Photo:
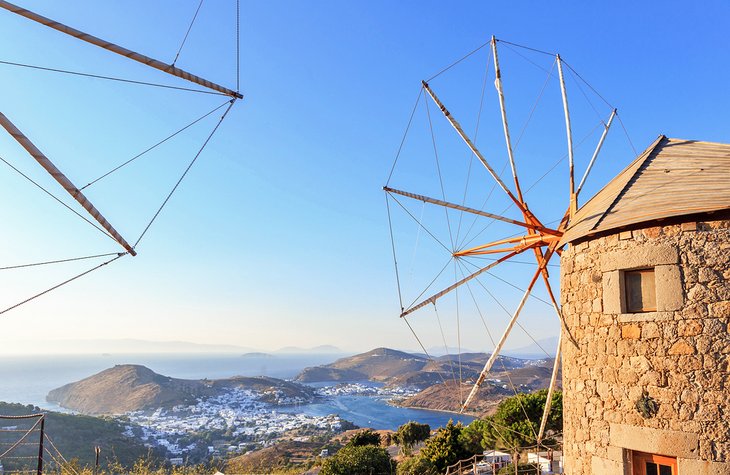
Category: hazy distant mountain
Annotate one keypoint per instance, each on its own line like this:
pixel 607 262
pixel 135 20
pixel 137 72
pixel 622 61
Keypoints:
pixel 322 349
pixel 123 346
pixel 533 351
pixel 125 388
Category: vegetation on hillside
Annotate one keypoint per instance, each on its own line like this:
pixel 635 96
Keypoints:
pixel 511 428
pixel 75 436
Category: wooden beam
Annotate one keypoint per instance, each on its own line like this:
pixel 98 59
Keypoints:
pixel 107 45
pixel 63 181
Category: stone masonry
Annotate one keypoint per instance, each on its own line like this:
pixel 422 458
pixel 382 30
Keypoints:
pixel 677 355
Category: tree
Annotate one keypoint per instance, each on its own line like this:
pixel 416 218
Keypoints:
pixel 411 433
pixel 517 419
pixel 359 460
pixel 417 466
pixel 364 437
pixel 476 436
pixel 444 447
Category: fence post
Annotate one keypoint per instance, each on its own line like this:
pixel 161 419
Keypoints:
pixel 40 447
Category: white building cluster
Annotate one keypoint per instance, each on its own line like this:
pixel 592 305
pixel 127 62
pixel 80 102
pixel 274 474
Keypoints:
pixel 241 413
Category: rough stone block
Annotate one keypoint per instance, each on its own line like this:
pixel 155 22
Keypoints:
pixel 681 347
pixel 606 466
pixel 640 256
pixel 656 441
pixel 702 467
pixel 631 332
pixel 669 292
pixel 720 309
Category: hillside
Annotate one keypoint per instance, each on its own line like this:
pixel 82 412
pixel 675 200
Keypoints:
pixel 449 396
pixel 75 436
pixel 126 388
pixel 398 368
pixel 380 364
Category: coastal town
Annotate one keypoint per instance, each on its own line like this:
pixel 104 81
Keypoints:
pixel 244 419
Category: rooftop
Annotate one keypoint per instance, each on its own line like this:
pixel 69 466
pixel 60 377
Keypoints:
pixel 671 178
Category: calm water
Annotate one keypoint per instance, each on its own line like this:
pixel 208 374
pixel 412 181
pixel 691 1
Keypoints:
pixel 27 380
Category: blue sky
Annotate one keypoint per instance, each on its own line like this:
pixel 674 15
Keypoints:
pixel 279 235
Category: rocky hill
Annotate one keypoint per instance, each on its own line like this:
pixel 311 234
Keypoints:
pixel 126 388
pixel 450 395
pixel 398 368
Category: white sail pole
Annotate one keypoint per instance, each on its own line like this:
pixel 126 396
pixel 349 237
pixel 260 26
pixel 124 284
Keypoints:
pixel 63 181
pixel 503 110
pixel 573 202
pixel 500 344
pixel 134 56
pixel 595 153
pixel 551 388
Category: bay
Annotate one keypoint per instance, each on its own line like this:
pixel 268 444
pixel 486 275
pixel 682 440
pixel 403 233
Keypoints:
pixel 28 379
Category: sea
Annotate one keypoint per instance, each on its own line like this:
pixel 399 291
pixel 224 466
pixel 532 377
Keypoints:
pixel 28 379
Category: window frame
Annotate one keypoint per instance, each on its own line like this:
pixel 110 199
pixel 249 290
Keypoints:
pixel 639 460
pixel 626 292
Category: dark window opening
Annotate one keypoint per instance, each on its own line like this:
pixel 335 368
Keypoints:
pixel 640 291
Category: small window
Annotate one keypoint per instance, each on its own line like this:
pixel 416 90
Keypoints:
pixel 651 464
pixel 640 291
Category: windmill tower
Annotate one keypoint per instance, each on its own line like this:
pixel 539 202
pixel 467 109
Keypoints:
pixel 646 297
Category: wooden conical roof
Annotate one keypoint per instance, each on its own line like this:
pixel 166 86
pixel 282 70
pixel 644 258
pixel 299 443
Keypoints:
pixel 671 178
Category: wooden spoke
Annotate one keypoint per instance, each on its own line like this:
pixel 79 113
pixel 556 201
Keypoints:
pixel 551 388
pixel 438 295
pixel 573 203
pixel 501 342
pixel 466 209
pixel 63 181
pixel 595 154
pixel 134 56
pixel 503 110
pixel 473 147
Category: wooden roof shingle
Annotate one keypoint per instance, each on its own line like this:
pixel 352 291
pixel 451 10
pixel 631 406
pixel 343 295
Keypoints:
pixel 673 177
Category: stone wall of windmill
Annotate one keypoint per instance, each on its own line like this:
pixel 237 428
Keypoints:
pixel 649 310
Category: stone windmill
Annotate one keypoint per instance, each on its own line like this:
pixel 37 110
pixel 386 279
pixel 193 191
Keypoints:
pixel 646 299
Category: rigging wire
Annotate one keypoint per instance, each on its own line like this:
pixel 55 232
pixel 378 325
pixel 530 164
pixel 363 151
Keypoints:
pixel 57 199
pixel 112 78
pixel 588 84
pixel 438 170
pixel 526 47
pixel 501 362
pixel 58 261
pixel 405 134
pixel 192 162
pixel 534 107
pixel 626 132
pixel 446 346
pixel 419 223
pixel 238 45
pixel 509 314
pixel 187 33
pixel 476 137
pixel 431 283
pixel 456 62
pixel 395 259
pixel 154 146
pixel 121 254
